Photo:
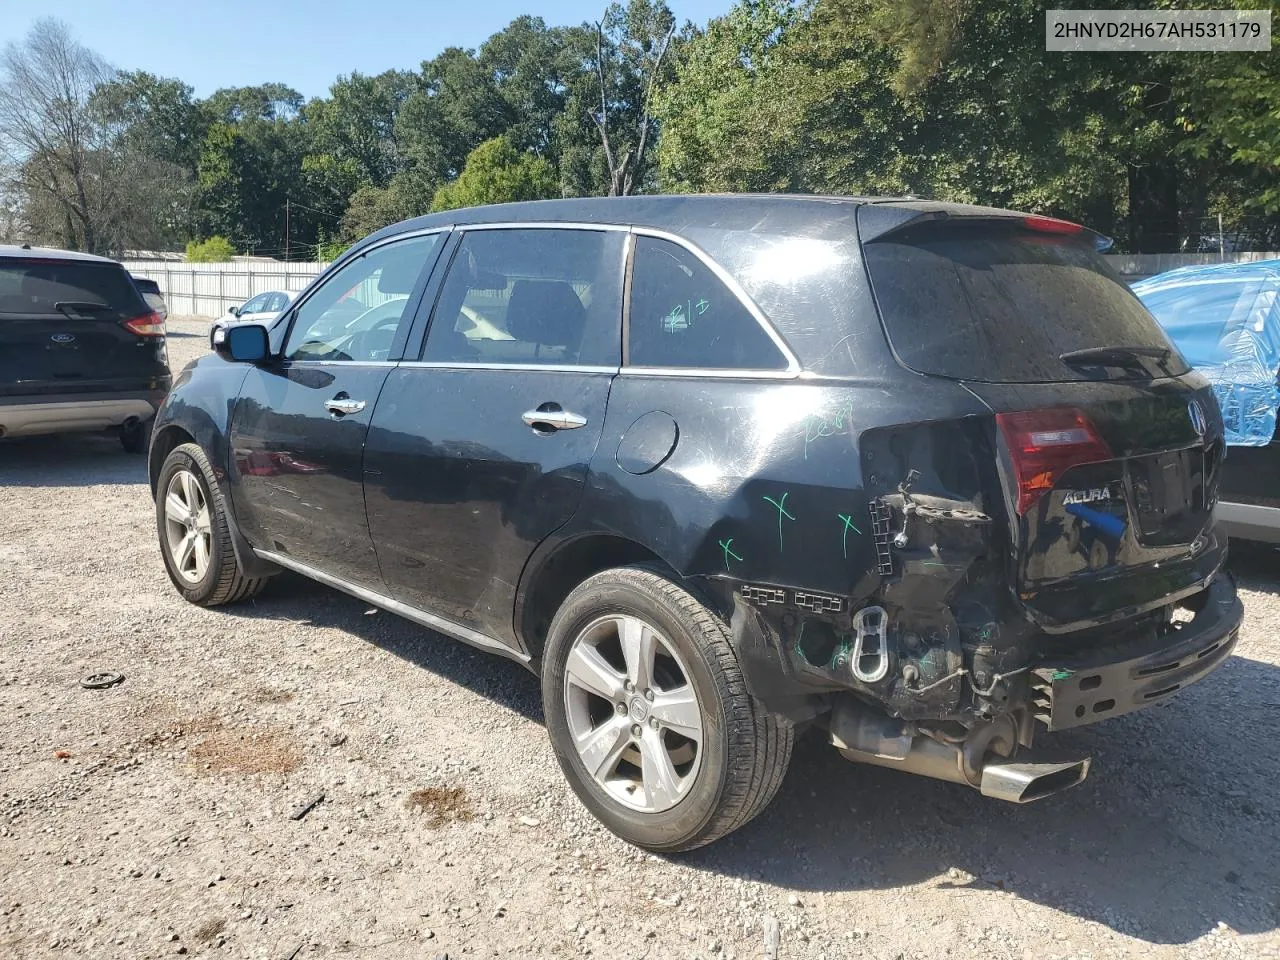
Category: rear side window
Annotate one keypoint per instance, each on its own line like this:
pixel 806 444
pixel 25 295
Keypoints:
pixel 992 302
pixel 531 296
pixel 682 315
pixel 56 288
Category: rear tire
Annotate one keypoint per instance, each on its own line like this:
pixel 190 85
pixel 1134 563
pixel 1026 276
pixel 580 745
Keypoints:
pixel 677 754
pixel 195 537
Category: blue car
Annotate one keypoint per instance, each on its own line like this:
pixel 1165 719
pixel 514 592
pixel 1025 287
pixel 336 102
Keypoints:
pixel 1225 318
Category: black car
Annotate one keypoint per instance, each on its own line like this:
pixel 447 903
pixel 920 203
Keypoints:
pixel 80 348
pixel 925 476
pixel 150 291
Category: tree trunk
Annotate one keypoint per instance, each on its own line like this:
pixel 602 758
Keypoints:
pixel 1153 207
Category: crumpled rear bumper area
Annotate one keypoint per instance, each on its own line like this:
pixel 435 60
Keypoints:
pixel 1109 682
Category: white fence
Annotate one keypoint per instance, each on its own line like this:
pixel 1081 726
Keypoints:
pixel 1138 266
pixel 211 289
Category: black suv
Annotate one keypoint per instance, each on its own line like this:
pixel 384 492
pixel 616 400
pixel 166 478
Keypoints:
pixel 925 476
pixel 80 349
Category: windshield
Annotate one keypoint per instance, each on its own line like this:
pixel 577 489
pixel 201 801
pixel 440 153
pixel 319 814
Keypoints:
pixel 993 302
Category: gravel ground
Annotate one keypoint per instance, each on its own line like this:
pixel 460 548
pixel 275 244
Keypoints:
pixel 153 818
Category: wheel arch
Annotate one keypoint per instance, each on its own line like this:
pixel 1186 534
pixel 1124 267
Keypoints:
pixel 556 568
pixel 163 443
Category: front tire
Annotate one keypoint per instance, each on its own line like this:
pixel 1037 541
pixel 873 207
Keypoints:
pixel 195 537
pixel 649 715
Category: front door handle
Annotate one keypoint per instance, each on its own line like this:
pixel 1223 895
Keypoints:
pixel 549 417
pixel 341 405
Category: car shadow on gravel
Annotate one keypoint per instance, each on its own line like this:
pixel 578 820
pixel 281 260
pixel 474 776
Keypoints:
pixel 1174 831
pixel 296 598
pixel 68 460
pixel 1256 566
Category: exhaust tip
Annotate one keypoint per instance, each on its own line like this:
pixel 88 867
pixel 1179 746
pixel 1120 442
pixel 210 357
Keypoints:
pixel 1023 782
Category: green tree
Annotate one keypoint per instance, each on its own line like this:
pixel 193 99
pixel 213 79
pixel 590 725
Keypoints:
pixel 266 101
pixel 630 67
pixel 157 117
pixel 214 250
pixel 253 176
pixel 732 118
pixel 356 123
pixel 458 108
pixel 495 172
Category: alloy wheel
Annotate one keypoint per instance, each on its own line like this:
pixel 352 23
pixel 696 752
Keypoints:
pixel 633 713
pixel 187 527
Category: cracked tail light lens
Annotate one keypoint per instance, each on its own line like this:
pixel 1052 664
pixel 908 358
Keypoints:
pixel 1044 444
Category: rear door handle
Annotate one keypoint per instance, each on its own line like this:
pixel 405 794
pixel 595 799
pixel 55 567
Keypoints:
pixel 341 405
pixel 549 416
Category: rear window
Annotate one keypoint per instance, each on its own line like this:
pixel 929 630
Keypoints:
pixel 56 287
pixel 995 303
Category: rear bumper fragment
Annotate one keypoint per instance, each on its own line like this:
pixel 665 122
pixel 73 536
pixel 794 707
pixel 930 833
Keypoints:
pixel 1108 683
pixel 30 419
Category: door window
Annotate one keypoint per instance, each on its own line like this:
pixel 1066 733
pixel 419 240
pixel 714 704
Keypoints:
pixel 531 296
pixel 356 312
pixel 682 315
pixel 256 304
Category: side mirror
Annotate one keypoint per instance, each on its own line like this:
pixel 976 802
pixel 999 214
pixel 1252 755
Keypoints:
pixel 234 311
pixel 246 343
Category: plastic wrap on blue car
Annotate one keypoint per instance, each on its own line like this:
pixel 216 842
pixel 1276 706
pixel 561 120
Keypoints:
pixel 1225 318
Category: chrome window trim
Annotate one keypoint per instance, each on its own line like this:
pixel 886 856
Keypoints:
pixel 361 251
pixel 793 367
pixel 423 617
pixel 544 225
pixel 547 367
pixel 345 364
pixel 723 373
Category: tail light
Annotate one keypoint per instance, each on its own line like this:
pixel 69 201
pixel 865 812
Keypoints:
pixel 147 325
pixel 1044 444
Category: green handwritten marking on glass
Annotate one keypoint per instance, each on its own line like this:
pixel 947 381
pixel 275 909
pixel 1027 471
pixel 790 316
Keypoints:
pixel 676 320
pixel 727 547
pixel 681 315
pixel 844 534
pixel 782 512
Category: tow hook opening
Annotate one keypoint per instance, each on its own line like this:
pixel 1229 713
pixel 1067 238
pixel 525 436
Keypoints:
pixel 994 757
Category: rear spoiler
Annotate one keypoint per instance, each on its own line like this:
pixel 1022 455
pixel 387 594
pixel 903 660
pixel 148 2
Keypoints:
pixel 880 221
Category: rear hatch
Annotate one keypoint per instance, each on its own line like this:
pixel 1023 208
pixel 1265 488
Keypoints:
pixel 1109 446
pixel 75 326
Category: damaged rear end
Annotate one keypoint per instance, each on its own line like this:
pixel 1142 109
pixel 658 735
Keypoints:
pixel 1048 559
